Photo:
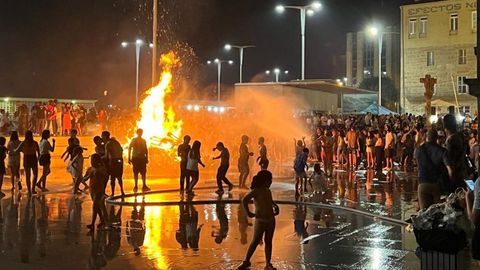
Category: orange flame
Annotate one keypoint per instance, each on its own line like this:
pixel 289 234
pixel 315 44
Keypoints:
pixel 160 129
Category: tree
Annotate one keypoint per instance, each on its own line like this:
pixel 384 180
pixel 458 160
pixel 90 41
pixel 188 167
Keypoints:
pixel 389 92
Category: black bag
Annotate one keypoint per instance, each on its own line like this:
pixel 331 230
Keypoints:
pixel 441 240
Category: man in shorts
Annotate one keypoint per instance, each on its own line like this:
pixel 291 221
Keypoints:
pixel 353 147
pixel 138 158
pixel 114 157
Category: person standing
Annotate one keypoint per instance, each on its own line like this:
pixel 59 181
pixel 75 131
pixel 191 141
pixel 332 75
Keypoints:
pixel 29 148
pixel 379 147
pixel 262 160
pixel 223 168
pixel 114 155
pixel 67 121
pixel 98 177
pixel 265 211
pixel 182 152
pixel 456 153
pixel 327 142
pixel 138 157
pixel 353 147
pixel 193 159
pixel 432 173
pixel 14 160
pixel 243 166
pixel 389 148
pixel 45 158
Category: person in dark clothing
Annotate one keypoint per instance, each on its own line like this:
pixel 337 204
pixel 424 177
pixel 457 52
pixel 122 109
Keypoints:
pixel 182 152
pixel 456 153
pixel 431 159
pixel 223 168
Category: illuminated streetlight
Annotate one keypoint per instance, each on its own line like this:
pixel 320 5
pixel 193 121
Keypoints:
pixel 138 44
pixel 228 47
pixel 219 63
pixel 304 10
pixel 277 73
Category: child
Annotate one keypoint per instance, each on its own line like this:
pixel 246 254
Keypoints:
pixel 3 155
pixel 318 178
pixel 14 160
pixel 265 212
pixel 98 176
pixel 76 168
pixel 300 164
pixel 69 151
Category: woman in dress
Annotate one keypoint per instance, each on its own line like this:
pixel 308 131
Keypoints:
pixel 67 121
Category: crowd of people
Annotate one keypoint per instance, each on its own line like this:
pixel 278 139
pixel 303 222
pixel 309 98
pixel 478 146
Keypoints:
pixel 444 154
pixel 55 116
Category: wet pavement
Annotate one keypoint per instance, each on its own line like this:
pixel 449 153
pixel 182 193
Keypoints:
pixel 356 224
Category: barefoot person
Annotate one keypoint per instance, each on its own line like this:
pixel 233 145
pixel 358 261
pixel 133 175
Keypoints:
pixel 265 212
pixel 243 166
pixel 14 160
pixel 45 158
pixel 182 152
pixel 98 176
pixel 223 168
pixel 114 155
pixel 193 159
pixel 30 150
pixel 138 157
pixel 262 159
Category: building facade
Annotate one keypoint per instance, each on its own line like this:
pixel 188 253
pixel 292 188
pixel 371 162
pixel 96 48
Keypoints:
pixel 362 56
pixel 438 38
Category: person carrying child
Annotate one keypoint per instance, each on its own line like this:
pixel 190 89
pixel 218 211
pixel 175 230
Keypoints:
pixel 98 176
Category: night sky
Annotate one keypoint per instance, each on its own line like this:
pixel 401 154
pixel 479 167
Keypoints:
pixel 71 48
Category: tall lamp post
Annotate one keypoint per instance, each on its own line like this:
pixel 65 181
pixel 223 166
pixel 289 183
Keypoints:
pixel 228 47
pixel 277 72
pixel 304 10
pixel 378 32
pixel 138 45
pixel 219 63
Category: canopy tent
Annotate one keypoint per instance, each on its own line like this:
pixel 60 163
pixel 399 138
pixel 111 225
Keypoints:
pixel 441 103
pixel 373 108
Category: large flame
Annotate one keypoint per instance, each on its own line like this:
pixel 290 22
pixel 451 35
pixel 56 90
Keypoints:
pixel 160 129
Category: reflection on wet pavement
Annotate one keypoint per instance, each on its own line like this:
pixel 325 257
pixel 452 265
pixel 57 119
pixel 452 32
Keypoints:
pixel 48 232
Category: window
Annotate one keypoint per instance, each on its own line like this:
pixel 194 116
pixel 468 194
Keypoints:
pixel 412 28
pixel 462 56
pixel 464 110
pixel 430 59
pixel 474 21
pixel 453 23
pixel 423 27
pixel 462 87
pixel 435 89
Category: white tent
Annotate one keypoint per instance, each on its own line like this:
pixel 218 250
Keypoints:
pixel 373 108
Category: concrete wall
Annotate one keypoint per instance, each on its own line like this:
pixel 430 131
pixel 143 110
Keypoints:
pixel 445 46
pixel 298 98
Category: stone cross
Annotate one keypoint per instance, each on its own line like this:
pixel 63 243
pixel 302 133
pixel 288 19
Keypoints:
pixel 429 84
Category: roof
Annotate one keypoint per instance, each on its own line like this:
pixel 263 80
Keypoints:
pixel 315 85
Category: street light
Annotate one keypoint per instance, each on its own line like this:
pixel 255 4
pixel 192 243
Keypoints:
pixel 375 31
pixel 304 10
pixel 228 47
pixel 219 63
pixel 138 44
pixel 277 73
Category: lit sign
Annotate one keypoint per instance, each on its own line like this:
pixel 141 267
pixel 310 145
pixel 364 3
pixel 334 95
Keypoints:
pixel 452 7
